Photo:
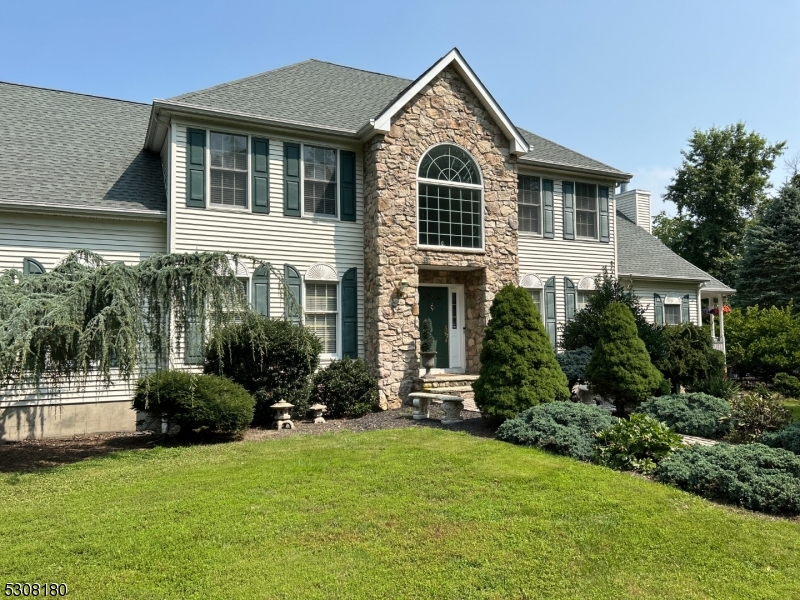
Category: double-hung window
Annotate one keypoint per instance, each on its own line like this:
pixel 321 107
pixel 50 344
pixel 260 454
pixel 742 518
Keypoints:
pixel 319 181
pixel 321 313
pixel 536 295
pixel 586 210
pixel 228 169
pixel 583 299
pixel 672 314
pixel 529 204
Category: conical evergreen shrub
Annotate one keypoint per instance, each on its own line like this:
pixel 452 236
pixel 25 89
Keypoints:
pixel 518 364
pixel 620 369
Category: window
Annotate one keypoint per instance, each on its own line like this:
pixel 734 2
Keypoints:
pixel 537 299
pixel 321 313
pixel 31 266
pixel 672 314
pixel 319 188
pixel 449 215
pixel 586 210
pixel 529 204
pixel 228 169
pixel 583 299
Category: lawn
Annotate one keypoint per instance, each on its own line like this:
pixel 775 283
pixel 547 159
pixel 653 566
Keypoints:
pixel 404 513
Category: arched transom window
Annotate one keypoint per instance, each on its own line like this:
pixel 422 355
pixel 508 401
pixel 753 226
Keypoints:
pixel 450 198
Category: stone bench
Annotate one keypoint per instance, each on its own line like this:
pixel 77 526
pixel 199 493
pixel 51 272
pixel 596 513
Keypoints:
pixel 451 406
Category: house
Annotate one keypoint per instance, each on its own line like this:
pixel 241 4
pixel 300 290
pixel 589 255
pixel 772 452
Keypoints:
pixel 383 200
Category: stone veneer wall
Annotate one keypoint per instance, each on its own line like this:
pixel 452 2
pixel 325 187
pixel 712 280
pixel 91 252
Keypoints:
pixel 446 111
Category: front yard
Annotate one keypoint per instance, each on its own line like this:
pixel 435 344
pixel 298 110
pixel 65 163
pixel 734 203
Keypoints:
pixel 399 513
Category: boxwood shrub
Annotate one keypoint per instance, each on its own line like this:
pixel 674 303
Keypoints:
pixel 787 438
pixel 346 387
pixel 561 427
pixel 753 476
pixel 691 414
pixel 198 404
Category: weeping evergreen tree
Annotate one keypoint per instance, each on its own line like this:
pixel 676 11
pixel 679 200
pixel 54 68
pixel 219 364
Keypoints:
pixel 88 316
pixel 768 274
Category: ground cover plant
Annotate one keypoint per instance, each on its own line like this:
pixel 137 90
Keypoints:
pixel 787 437
pixel 756 412
pixel 346 387
pixel 635 444
pixel 750 475
pixel 518 365
pixel 566 428
pixel 691 414
pixel 405 513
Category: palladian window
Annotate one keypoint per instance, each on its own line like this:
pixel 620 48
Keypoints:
pixel 450 198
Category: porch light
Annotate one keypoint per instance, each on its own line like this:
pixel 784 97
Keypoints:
pixel 283 419
pixel 402 287
pixel 317 409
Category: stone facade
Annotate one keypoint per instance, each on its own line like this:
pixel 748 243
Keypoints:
pixel 446 111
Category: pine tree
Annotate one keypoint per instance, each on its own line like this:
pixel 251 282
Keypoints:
pixel 518 364
pixel 768 275
pixel 620 369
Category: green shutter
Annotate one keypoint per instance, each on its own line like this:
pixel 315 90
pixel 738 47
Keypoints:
pixel 293 294
pixel 658 302
pixel 347 186
pixel 196 168
pixel 550 309
pixel 570 298
pixel 31 266
pixel 602 193
pixel 195 344
pixel 291 179
pixel 685 309
pixel 569 210
pixel 350 314
pixel 260 166
pixel 548 230
pixel 261 290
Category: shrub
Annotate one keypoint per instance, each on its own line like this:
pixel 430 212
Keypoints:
pixel 750 475
pixel 787 438
pixel 691 414
pixel 637 444
pixel 573 363
pixel 426 338
pixel 763 341
pixel 620 369
pixel 561 427
pixel 717 385
pixel 199 404
pixel 788 385
pixel 346 387
pixel 273 360
pixel 690 356
pixel 756 412
pixel 518 365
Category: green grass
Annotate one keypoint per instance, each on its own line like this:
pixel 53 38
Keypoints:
pixel 407 513
pixel 794 406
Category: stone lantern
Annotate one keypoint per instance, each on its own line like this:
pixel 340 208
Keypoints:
pixel 317 409
pixel 283 419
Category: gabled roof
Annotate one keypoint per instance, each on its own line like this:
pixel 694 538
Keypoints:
pixel 641 254
pixel 76 151
pixel 545 153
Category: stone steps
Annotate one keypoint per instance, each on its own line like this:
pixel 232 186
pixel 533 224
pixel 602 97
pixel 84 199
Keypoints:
pixel 454 384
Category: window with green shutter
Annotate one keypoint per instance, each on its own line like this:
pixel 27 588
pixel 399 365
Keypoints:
pixel 570 299
pixel 568 190
pixel 31 266
pixel 196 168
pixel 347 186
pixel 261 290
pixel 529 204
pixel 547 202
pixel 550 309
pixel 291 179
pixel 350 314
pixel 260 167
pixel 293 294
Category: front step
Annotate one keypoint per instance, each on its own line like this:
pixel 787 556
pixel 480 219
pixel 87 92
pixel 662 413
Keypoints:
pixel 454 384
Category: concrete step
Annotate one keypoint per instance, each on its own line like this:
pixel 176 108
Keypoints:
pixel 449 389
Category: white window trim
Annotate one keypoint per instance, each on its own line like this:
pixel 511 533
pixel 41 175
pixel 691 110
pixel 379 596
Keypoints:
pixel 326 355
pixel 209 204
pixel 541 207
pixel 314 216
pixel 575 208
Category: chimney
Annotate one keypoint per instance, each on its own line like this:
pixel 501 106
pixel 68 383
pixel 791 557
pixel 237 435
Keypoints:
pixel 635 204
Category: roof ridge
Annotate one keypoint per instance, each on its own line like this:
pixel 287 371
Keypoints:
pixel 47 89
pixel 568 149
pixel 327 62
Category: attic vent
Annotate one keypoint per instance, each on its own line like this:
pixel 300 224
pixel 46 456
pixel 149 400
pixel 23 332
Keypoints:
pixel 321 272
pixel 530 282
pixel 586 284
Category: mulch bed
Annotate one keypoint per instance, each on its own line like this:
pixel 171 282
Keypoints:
pixel 33 455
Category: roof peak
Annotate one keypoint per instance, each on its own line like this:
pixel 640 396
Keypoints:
pixel 47 89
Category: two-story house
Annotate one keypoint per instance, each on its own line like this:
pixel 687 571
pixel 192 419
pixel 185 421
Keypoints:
pixel 383 200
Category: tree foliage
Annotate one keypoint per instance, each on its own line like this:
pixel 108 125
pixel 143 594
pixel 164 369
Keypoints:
pixel 690 356
pixel 768 274
pixel 763 341
pixel 620 369
pixel 518 365
pixel 723 179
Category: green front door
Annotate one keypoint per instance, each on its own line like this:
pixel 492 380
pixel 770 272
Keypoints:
pixel 433 306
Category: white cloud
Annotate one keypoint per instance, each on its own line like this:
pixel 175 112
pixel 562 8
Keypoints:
pixel 654 179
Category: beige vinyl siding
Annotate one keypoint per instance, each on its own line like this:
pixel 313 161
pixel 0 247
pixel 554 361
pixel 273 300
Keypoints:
pixel 300 242
pixel 646 289
pixel 561 258
pixel 635 204
pixel 49 239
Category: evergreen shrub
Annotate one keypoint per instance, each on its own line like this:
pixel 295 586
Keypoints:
pixel 753 476
pixel 346 387
pixel 636 444
pixel 763 341
pixel 691 414
pixel 690 356
pixel 272 359
pixel 787 438
pixel 788 385
pixel 198 404
pixel 757 412
pixel 573 363
pixel 518 365
pixel 562 427
pixel 620 369
pixel 426 339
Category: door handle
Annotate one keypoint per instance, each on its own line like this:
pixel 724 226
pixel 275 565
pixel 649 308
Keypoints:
pixel 446 334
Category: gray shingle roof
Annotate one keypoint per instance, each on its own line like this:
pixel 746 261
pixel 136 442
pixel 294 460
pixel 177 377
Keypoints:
pixel 311 92
pixel 640 253
pixel 543 150
pixel 62 148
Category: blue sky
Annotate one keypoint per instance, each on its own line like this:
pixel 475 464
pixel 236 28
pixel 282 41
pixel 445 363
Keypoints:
pixel 624 82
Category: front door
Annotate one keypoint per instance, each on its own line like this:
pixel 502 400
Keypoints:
pixel 433 305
